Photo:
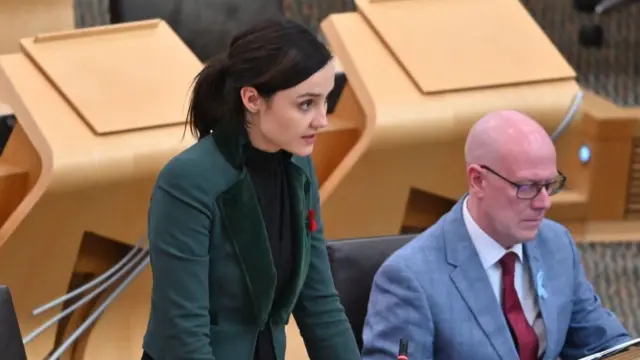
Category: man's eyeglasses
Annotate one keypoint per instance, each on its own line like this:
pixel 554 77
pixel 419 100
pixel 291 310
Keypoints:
pixel 529 191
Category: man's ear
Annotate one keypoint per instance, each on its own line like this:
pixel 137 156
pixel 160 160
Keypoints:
pixel 476 180
pixel 250 98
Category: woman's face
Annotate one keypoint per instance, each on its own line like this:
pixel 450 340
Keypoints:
pixel 291 119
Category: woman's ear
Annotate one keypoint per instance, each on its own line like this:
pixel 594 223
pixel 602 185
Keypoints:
pixel 250 98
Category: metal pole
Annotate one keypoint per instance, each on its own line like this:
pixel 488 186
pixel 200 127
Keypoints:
pixel 90 284
pixel 84 300
pixel 91 319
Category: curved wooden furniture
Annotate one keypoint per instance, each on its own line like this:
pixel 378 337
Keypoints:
pixel 99 112
pixel 608 182
pixel 420 73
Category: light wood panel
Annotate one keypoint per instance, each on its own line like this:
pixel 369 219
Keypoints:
pixel 610 139
pixel 84 66
pixel 13 186
pixel 600 204
pixel 412 140
pixel 633 188
pixel 465 44
pixel 78 182
pixel 336 143
pixel 25 18
pixel 69 172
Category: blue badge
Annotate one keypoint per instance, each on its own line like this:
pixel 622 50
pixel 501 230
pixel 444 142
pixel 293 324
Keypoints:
pixel 542 292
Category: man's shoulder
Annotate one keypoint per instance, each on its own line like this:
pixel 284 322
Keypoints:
pixel 554 237
pixel 549 225
pixel 553 229
pixel 426 249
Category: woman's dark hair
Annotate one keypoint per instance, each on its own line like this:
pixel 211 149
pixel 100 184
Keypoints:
pixel 271 56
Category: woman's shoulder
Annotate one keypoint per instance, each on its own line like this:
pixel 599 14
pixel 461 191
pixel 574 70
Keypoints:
pixel 306 164
pixel 199 167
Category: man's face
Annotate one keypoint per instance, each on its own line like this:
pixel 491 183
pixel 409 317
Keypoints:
pixel 516 196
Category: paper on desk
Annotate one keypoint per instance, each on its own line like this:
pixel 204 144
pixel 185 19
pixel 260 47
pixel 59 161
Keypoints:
pixel 613 350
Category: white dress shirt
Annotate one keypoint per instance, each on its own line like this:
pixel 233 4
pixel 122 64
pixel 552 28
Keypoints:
pixel 490 253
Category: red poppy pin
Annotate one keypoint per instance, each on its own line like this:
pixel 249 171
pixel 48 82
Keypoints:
pixel 311 221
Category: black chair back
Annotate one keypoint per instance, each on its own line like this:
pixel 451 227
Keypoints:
pixel 7 123
pixel 354 263
pixel 11 347
pixel 205 26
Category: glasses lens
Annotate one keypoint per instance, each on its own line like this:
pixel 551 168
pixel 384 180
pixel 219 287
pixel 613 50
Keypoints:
pixel 555 187
pixel 531 191
pixel 528 191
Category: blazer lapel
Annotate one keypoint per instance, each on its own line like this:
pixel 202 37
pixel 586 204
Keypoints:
pixel 243 219
pixel 300 198
pixel 471 280
pixel 240 212
pixel 544 302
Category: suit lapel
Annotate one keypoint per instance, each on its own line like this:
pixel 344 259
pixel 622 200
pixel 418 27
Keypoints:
pixel 545 304
pixel 241 215
pixel 243 219
pixel 471 280
pixel 240 212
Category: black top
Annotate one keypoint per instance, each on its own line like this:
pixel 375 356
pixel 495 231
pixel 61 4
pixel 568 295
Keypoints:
pixel 267 172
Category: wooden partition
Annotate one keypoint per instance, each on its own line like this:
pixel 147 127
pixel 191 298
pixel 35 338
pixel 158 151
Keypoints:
pixel 608 178
pixel 418 93
pixel 421 73
pixel 26 18
pixel 99 112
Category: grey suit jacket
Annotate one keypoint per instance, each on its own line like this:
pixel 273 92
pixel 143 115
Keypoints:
pixel 435 293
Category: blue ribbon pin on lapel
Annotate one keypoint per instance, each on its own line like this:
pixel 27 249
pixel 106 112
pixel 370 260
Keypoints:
pixel 542 292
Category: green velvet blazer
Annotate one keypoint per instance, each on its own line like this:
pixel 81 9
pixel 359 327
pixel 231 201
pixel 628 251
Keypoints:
pixel 213 274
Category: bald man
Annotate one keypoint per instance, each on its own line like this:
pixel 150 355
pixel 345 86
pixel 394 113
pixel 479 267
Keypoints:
pixel 492 279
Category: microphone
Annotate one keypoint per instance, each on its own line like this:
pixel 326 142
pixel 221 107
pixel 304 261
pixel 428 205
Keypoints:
pixel 403 352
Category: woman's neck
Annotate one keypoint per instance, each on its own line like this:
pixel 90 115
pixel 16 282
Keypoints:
pixel 260 142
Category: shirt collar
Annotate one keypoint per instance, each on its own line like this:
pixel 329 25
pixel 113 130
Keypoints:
pixel 488 249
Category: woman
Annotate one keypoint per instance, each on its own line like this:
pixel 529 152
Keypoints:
pixel 235 233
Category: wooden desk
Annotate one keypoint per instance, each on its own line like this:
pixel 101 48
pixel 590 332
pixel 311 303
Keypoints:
pixel 25 18
pixel 83 160
pixel 412 139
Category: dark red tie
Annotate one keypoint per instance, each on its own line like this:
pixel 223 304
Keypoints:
pixel 524 335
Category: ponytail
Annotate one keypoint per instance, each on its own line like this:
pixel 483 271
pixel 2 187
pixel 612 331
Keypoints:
pixel 209 106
